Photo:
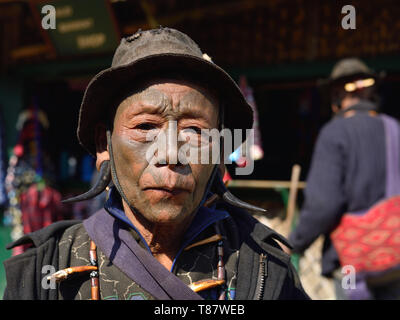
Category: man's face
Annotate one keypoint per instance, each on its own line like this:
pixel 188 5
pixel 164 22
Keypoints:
pixel 162 191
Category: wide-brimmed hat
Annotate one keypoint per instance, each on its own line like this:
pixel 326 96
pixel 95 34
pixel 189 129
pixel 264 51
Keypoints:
pixel 348 69
pixel 152 52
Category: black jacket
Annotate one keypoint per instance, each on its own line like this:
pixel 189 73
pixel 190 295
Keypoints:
pixel 264 270
pixel 24 271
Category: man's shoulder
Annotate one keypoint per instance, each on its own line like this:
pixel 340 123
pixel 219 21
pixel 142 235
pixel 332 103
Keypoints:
pixel 251 230
pixel 43 243
pixel 41 236
pixel 335 132
pixel 74 231
pixel 337 124
pixel 23 270
pixel 334 127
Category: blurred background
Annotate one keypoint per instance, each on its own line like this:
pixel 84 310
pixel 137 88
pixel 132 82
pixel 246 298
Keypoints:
pixel 278 50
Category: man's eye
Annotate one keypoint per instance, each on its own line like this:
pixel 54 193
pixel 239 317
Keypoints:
pixel 195 129
pixel 145 126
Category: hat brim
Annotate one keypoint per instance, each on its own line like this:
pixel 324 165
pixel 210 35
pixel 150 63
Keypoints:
pixel 350 77
pixel 102 88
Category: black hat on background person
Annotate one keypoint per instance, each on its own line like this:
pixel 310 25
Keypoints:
pixel 351 81
pixel 349 69
pixel 152 53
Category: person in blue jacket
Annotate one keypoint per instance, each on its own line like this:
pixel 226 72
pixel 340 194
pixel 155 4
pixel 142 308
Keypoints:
pixel 348 169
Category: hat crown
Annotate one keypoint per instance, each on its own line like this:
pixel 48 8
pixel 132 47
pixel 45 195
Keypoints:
pixel 147 53
pixel 349 67
pixel 154 42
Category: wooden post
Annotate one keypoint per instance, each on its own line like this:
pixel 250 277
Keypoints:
pixel 291 207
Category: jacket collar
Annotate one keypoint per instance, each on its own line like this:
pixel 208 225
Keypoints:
pixel 203 218
pixel 363 106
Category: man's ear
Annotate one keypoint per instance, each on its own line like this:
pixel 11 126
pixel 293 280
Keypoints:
pixel 335 108
pixel 102 153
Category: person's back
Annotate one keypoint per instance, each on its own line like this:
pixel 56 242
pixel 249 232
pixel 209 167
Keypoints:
pixel 364 150
pixel 348 169
pixel 347 174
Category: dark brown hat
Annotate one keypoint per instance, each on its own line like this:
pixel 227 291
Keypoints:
pixel 151 52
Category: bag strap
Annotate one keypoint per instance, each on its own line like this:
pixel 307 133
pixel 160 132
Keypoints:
pixel 392 138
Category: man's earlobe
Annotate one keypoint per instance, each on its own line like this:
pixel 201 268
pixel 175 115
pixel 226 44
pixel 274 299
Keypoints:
pixel 102 153
pixel 101 157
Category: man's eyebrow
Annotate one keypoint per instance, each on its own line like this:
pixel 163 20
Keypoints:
pixel 197 112
pixel 146 107
pixel 147 102
pixel 187 112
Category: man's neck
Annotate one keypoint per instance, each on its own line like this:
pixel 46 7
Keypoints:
pixel 164 240
pixel 349 102
pixel 352 105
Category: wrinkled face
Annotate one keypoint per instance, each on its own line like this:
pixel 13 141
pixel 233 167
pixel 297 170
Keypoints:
pixel 163 190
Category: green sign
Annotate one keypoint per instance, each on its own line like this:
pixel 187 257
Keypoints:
pixel 80 26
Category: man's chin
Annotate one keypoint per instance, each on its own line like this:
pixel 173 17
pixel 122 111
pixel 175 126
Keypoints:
pixel 167 215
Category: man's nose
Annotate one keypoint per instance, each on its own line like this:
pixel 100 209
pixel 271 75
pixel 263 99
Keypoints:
pixel 168 151
pixel 172 143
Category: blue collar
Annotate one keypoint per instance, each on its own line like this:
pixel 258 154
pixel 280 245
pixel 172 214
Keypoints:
pixel 203 218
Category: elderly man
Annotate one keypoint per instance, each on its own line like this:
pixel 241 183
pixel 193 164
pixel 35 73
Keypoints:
pixel 169 229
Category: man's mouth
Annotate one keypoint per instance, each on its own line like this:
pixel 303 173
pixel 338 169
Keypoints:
pixel 168 191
